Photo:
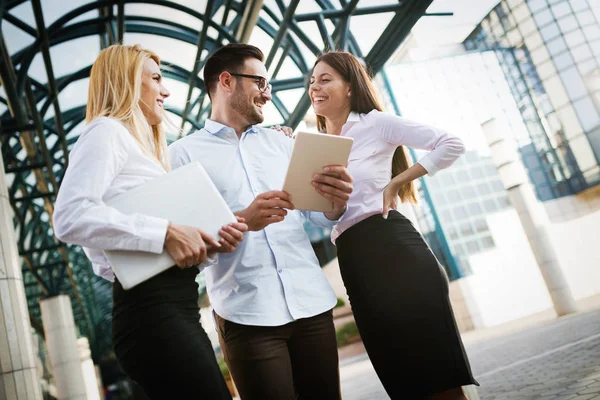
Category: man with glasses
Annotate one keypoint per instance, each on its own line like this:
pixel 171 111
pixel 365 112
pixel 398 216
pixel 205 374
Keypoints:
pixel 273 304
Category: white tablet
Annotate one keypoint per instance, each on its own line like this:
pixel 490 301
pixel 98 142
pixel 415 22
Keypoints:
pixel 184 196
pixel 312 152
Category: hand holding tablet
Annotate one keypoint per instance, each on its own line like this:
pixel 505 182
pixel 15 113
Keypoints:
pixel 312 153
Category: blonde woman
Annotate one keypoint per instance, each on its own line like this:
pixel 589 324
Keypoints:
pixel 157 336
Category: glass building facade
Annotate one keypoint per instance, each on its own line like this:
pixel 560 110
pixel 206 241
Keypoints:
pixel 458 93
pixel 549 52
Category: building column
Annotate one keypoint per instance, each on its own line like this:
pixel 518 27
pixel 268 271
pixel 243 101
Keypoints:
pixel 532 214
pixel 88 369
pixel 63 352
pixel 18 372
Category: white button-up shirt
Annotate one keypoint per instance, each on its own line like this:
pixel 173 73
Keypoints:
pixel 106 161
pixel 376 137
pixel 274 277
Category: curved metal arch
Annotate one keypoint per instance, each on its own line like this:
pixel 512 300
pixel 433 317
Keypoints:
pixel 46 258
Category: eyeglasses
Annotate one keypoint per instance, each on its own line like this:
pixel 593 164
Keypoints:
pixel 263 83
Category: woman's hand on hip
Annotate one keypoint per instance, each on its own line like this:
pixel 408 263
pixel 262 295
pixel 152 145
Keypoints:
pixel 188 245
pixel 390 199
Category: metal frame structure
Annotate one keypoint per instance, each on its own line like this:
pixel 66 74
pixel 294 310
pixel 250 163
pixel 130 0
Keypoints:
pixel 36 147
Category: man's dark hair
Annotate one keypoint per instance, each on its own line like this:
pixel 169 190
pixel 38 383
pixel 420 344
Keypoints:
pixel 230 58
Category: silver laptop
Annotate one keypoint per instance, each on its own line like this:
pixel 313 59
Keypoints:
pixel 184 196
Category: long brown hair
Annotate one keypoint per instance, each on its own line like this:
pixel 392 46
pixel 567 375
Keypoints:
pixel 364 99
pixel 115 91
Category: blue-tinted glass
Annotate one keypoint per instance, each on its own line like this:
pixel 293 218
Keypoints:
pixel 562 61
pixel 549 32
pixel 592 32
pixel 579 5
pixel 582 53
pixel 543 17
pixel 575 38
pixel 573 83
pixel 587 113
pixel 557 46
pixel 561 9
pixel 586 17
pixel 568 23
pixel 535 5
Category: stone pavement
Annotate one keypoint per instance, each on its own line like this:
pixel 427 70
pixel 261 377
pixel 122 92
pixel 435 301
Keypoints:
pixel 559 359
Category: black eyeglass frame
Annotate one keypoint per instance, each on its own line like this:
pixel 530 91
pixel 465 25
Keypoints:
pixel 259 79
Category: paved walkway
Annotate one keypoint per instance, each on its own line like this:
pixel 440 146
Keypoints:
pixel 553 359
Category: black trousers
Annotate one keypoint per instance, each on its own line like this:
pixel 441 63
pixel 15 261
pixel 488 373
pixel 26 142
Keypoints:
pixel 159 342
pixel 298 360
pixel 399 297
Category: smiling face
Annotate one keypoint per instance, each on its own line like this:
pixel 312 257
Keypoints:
pixel 153 93
pixel 329 92
pixel 247 100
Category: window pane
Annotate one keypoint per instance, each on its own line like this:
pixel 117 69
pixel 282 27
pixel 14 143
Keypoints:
pixel 582 53
pixel 542 18
pixel 487 242
pixel 468 192
pixel 483 189
pixel 569 121
pixel 561 9
pixel 472 246
pixel 557 46
pixel 568 23
pixel 562 61
pixel 453 196
pixel 474 209
pixel 556 91
pixel 465 229
pixel 592 32
pixel 587 113
pixel 460 212
pixel 586 17
pixel 573 83
pixel 574 38
pixel 489 205
pixel 549 32
pixel 480 225
pixel 578 5
pixel 583 153
pixel 535 5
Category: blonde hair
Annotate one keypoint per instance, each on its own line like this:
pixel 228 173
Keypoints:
pixel 115 92
pixel 365 99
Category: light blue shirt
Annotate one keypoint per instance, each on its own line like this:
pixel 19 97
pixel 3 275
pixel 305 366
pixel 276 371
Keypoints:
pixel 274 277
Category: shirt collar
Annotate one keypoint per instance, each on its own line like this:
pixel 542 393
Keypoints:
pixel 214 127
pixel 353 117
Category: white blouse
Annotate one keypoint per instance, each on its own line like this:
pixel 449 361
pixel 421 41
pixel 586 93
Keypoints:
pixel 376 137
pixel 106 161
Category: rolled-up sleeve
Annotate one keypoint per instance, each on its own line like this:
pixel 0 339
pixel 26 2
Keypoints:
pixel 80 215
pixel 444 149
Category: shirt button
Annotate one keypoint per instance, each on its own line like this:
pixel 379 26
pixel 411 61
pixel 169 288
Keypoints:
pixel 280 271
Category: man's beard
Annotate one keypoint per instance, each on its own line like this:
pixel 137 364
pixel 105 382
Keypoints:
pixel 240 104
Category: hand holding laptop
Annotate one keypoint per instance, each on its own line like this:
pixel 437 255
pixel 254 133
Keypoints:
pixel 190 246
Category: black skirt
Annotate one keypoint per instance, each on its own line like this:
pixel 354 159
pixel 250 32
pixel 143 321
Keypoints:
pixel 399 295
pixel 159 342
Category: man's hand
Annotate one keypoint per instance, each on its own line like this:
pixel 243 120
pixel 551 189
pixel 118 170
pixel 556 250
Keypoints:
pixel 267 208
pixel 335 184
pixel 231 237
